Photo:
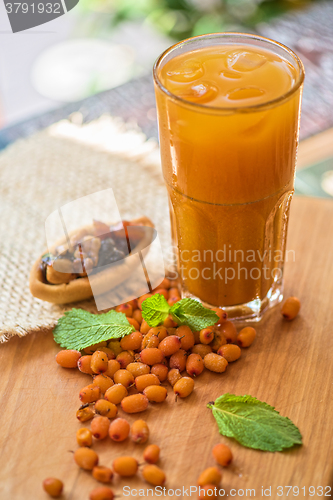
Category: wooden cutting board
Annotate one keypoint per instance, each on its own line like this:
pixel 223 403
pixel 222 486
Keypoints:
pixel 289 366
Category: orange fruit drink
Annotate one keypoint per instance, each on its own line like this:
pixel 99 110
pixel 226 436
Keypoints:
pixel 228 110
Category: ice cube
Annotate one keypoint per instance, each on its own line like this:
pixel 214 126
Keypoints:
pixel 201 92
pixel 188 71
pixel 230 74
pixel 245 93
pixel 245 60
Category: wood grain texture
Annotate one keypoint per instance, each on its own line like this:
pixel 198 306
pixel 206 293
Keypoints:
pixel 289 366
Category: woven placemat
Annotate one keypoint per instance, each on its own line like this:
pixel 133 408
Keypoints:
pixel 51 168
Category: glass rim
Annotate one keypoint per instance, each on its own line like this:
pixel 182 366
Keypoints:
pixel 246 108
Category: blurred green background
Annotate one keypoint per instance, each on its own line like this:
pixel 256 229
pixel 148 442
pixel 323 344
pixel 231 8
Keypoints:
pixel 179 19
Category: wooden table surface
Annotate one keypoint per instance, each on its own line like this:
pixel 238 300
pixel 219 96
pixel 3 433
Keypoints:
pixel 289 366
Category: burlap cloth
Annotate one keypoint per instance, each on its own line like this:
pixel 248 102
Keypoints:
pixel 62 163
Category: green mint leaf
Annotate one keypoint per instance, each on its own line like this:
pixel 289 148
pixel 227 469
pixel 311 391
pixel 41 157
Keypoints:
pixel 78 329
pixel 253 423
pixel 191 313
pixel 155 310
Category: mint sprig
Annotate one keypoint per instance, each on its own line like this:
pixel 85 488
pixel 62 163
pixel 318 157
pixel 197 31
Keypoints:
pixel 253 423
pixel 187 312
pixel 155 310
pixel 191 313
pixel 79 329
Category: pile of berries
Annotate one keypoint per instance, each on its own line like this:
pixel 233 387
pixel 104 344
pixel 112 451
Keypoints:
pixel 132 373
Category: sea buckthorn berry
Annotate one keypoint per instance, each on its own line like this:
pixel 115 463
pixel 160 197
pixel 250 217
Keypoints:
pixel 187 337
pixel 119 429
pixel 134 323
pixel 206 336
pixel 246 336
pixel 212 475
pixel 151 356
pixel 68 358
pixel 222 454
pixel 201 349
pixel 223 316
pixel 99 362
pixel 171 330
pixel 165 283
pixel 215 363
pixel 90 394
pixel 229 331
pixel 95 347
pixel 84 437
pixel 85 414
pixel 137 369
pixel 139 432
pixel 194 365
pixel 84 366
pixel 208 491
pixel 162 291
pixel 219 340
pixel 135 403
pixel 114 345
pixel 160 370
pixel 86 458
pixel 173 376
pixel 133 303
pixel 178 360
pixel 170 345
pixel 143 381
pixel 102 474
pixel 173 300
pixel 151 454
pixel 109 352
pixel 137 315
pixel 125 466
pixel 144 327
pixel 150 340
pixel 124 377
pixel 89 350
pixel 100 427
pixel 53 487
pixel 230 352
pixel 196 336
pixel 169 322
pixel 153 475
pixel 113 367
pixel 125 358
pixel 159 331
pixel 101 493
pixel 131 342
pixel 290 308
pixel 105 408
pixel 103 382
pixel 174 292
pixel 116 394
pixel 126 309
pixel 143 298
pixel 183 387
pixel 155 393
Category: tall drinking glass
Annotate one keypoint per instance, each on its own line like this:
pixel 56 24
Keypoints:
pixel 228 110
